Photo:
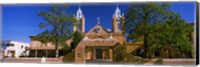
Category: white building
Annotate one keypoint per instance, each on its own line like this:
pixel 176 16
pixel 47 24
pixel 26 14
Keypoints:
pixel 1 54
pixel 14 48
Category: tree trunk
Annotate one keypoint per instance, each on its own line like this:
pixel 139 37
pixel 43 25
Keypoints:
pixel 57 53
pixel 145 35
pixel 145 46
pixel 57 50
pixel 162 53
pixel 167 54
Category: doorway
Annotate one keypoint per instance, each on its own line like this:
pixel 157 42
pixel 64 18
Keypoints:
pixel 99 54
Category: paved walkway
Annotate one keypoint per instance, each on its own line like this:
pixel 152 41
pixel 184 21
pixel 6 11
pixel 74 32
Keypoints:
pixel 151 62
pixel 99 61
pixel 174 61
pixel 31 60
pixel 178 61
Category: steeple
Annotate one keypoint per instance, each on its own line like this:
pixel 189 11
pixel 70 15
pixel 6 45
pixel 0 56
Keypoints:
pixel 117 13
pixel 79 13
pixel 80 26
pixel 117 20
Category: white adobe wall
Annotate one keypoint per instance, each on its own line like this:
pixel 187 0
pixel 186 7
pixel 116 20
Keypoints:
pixel 17 48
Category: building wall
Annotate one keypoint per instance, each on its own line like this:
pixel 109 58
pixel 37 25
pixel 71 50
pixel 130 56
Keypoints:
pixel 36 43
pixel 90 53
pixel 18 49
pixel 119 38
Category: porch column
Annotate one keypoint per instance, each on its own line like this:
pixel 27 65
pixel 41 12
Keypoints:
pixel 106 54
pixel 94 54
pixel 103 51
pixel 35 53
pixel 111 54
pixel 46 53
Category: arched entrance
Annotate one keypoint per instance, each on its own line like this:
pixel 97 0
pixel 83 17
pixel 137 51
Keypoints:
pixel 100 54
pixel 95 50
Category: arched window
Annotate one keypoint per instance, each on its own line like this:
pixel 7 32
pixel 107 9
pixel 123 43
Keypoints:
pixel 98 30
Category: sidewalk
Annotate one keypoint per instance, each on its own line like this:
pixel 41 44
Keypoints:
pixel 151 62
pixel 31 60
pixel 178 61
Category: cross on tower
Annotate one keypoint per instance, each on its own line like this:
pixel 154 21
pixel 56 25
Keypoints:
pixel 98 20
pixel 79 5
pixel 116 5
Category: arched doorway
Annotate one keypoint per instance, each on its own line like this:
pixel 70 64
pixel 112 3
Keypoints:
pixel 99 54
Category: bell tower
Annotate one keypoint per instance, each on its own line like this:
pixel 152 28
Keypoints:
pixel 117 21
pixel 80 23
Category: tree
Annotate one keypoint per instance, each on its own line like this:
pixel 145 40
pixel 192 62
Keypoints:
pixel 180 39
pixel 140 16
pixel 77 37
pixel 58 26
pixel 171 37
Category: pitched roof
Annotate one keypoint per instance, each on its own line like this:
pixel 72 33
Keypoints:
pixel 97 42
pixel 44 48
pixel 94 30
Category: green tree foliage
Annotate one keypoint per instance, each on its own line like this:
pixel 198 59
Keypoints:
pixel 58 26
pixel 77 37
pixel 171 37
pixel 140 16
pixel 162 29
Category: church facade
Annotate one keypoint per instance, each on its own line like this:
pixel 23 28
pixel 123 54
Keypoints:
pixel 98 42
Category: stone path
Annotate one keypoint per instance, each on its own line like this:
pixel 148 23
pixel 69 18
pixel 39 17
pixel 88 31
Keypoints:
pixel 151 62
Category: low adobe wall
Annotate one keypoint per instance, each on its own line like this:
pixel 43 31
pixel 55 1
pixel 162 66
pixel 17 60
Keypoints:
pixel 32 60
pixel 179 61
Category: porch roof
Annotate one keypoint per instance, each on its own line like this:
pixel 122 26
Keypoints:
pixel 43 48
pixel 99 42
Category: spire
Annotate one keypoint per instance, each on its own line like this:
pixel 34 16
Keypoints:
pixel 117 20
pixel 117 13
pixel 79 6
pixel 98 20
pixel 80 20
pixel 79 13
pixel 117 6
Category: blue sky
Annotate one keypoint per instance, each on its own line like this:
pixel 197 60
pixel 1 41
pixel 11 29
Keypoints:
pixel 21 21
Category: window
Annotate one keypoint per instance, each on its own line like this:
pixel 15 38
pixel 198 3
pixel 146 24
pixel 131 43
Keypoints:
pixel 12 45
pixel 22 46
pixel 9 44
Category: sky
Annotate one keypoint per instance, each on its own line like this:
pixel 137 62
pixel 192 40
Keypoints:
pixel 21 21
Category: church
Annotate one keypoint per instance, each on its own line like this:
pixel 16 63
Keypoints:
pixel 97 44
